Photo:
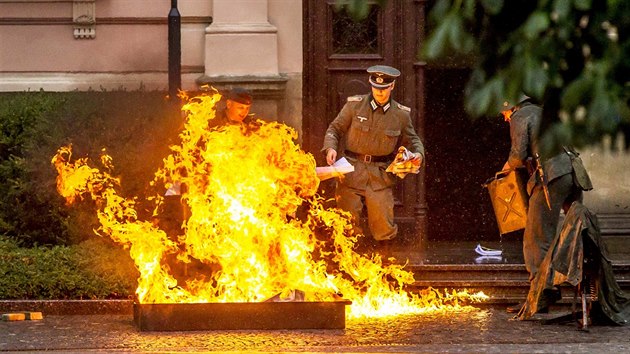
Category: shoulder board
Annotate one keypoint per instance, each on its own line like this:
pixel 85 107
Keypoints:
pixel 355 99
pixel 404 108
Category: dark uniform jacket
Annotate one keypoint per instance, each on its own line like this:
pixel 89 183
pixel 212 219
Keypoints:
pixel 365 128
pixel 221 119
pixel 524 130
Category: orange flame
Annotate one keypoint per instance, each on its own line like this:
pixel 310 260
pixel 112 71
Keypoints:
pixel 256 227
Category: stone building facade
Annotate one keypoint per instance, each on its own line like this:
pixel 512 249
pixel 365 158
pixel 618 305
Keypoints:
pixel 65 45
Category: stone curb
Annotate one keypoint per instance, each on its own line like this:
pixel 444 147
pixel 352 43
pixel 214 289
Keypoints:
pixel 69 307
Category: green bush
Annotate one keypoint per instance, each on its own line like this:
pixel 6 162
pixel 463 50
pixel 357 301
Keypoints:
pixel 135 128
pixel 25 210
pixel 94 269
pixel 48 250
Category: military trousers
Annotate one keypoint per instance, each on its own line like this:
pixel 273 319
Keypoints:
pixel 542 222
pixel 380 209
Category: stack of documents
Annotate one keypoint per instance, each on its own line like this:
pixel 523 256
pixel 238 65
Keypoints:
pixel 485 251
pixel 488 255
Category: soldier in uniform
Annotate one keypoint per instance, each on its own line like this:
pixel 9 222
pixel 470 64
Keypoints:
pixel 564 180
pixel 174 211
pixel 236 111
pixel 368 131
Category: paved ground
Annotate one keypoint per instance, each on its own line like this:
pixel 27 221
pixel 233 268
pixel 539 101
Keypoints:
pixel 488 330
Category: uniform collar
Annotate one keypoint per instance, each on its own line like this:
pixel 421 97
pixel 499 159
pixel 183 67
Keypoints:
pixel 524 103
pixel 374 105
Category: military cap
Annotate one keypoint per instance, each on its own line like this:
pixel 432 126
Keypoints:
pixel 382 76
pixel 508 104
pixel 240 95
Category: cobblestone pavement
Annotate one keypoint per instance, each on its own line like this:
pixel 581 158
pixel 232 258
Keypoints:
pixel 488 330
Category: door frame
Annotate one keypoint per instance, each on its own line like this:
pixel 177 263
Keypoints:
pixel 407 34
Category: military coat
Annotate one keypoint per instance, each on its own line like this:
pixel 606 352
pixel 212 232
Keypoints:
pixel 524 131
pixel 365 128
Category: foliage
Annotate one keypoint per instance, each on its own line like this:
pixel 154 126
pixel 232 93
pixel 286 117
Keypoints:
pixel 572 56
pixel 135 127
pixel 26 208
pixel 92 270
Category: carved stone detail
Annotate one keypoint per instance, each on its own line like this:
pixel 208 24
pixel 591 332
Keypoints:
pixel 84 19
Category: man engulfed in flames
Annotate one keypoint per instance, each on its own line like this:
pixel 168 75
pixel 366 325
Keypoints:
pixel 256 223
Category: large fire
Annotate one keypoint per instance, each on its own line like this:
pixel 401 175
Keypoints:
pixel 255 227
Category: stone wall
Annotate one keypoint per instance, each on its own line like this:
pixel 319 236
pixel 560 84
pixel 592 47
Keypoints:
pixel 66 45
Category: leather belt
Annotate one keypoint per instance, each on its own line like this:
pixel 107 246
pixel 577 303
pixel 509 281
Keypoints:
pixel 368 158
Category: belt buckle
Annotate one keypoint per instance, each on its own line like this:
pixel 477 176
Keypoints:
pixel 367 158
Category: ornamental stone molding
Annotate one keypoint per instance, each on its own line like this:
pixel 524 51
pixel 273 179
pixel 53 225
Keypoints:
pixel 84 19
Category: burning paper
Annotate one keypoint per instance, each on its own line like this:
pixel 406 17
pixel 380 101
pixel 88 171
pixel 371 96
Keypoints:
pixel 339 168
pixel 404 163
pixel 255 227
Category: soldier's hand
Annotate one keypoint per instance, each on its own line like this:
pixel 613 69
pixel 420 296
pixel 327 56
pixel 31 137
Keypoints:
pixel 417 157
pixel 331 156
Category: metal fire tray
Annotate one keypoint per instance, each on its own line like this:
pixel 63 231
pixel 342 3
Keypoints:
pixel 230 316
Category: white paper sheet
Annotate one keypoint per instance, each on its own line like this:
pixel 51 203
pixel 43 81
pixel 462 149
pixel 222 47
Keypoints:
pixel 340 167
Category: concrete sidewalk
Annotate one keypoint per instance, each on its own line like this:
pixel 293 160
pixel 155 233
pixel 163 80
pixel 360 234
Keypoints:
pixel 488 330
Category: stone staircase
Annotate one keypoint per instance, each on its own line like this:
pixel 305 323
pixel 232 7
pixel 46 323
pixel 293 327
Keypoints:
pixel 453 266
pixel 503 283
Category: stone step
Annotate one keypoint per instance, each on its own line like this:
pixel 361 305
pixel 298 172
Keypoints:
pixel 475 273
pixel 614 224
pixel 504 284
pixel 469 272
pixel 496 286
pixel 455 265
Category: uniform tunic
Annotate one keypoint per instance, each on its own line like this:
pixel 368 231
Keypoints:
pixel 222 119
pixel 542 222
pixel 365 128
